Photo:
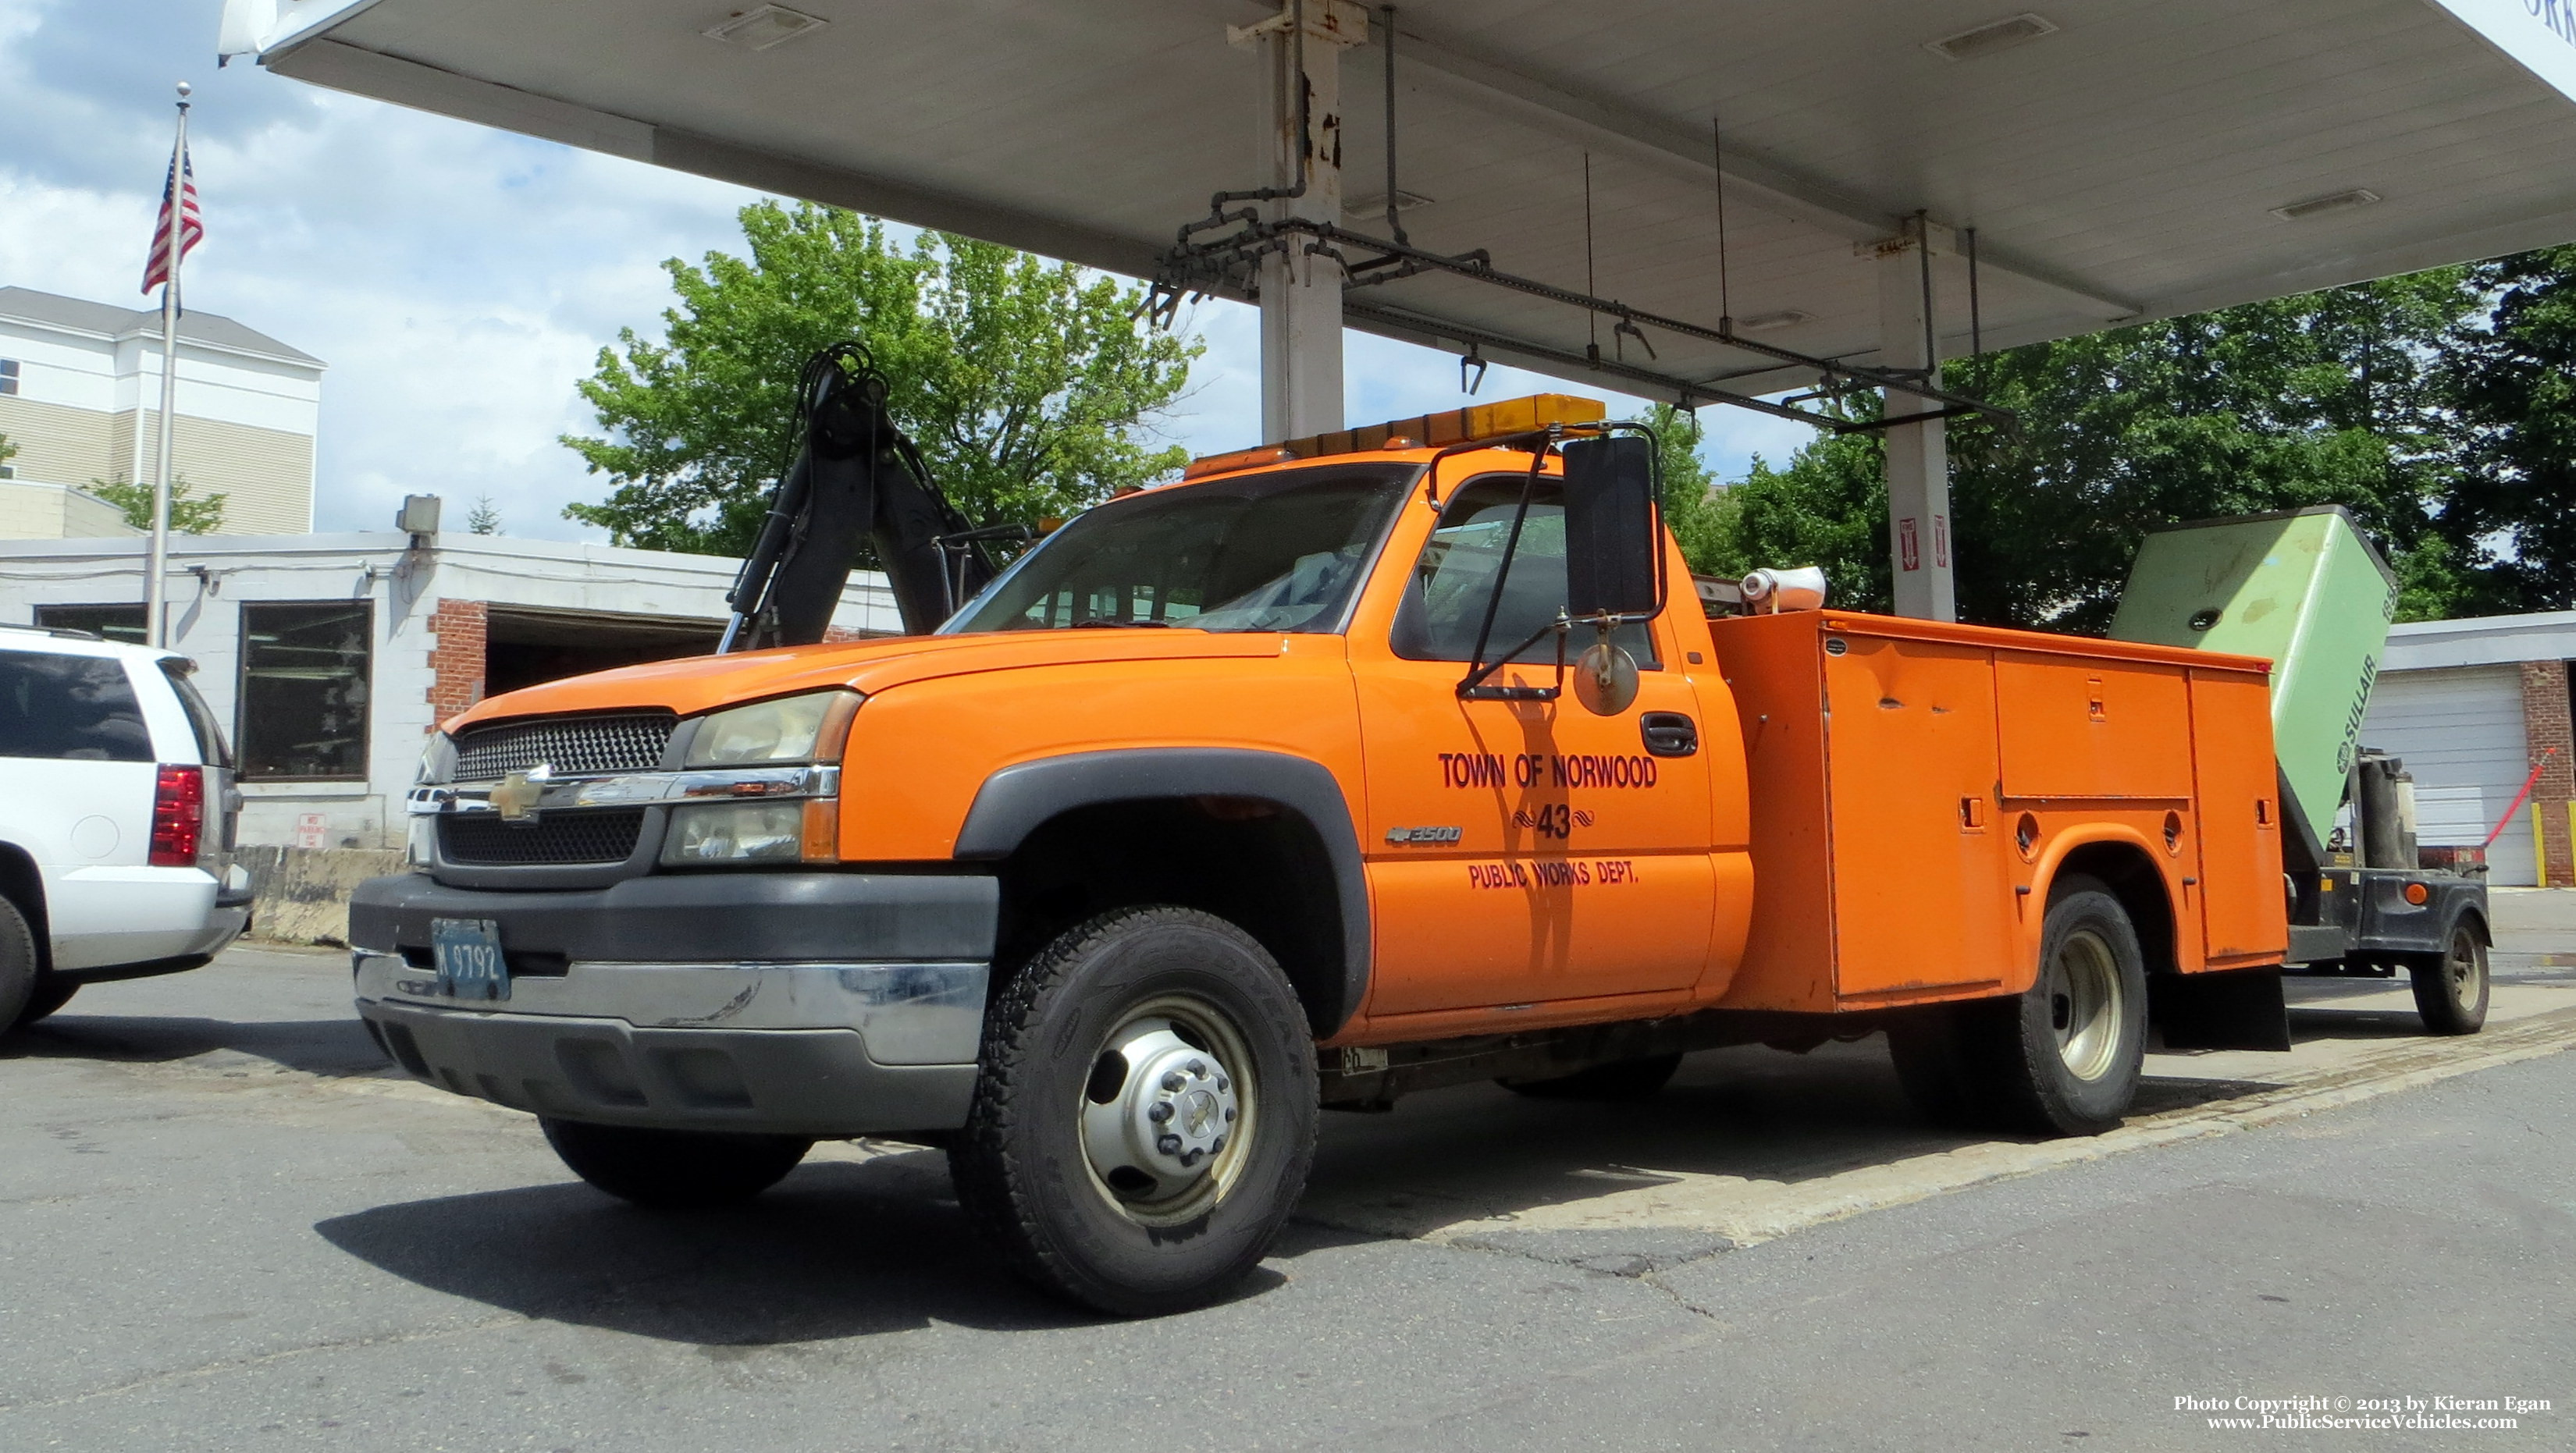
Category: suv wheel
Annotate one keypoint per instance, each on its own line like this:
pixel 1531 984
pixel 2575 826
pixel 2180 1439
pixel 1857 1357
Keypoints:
pixel 17 965
pixel 1146 1112
pixel 49 995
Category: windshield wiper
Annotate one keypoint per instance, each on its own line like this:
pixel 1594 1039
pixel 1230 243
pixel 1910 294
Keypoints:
pixel 1112 623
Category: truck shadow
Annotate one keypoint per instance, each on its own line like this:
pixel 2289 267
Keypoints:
pixel 836 1250
pixel 332 1048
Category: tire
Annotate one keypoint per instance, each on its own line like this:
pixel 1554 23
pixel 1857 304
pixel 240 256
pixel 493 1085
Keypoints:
pixel 1621 1080
pixel 1146 1112
pixel 2451 989
pixel 674 1169
pixel 2064 1058
pixel 17 965
pixel 49 995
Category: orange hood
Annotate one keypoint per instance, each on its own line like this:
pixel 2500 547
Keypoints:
pixel 694 684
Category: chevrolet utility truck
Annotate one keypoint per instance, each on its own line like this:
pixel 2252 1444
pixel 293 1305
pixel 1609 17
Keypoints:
pixel 1337 770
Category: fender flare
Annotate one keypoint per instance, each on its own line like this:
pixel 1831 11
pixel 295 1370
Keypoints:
pixel 1015 801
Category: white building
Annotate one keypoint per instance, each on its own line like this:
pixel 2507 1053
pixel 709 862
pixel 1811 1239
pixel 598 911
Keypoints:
pixel 80 397
pixel 2474 707
pixel 331 657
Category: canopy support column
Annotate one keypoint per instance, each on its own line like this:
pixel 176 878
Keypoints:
pixel 1918 454
pixel 1301 289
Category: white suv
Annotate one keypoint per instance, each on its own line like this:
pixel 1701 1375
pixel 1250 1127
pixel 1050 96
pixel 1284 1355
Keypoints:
pixel 117 809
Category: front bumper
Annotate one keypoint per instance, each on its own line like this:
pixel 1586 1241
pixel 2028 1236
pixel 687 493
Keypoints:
pixel 815 1004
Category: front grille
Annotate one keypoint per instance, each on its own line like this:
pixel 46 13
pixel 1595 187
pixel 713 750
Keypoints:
pixel 570 746
pixel 599 835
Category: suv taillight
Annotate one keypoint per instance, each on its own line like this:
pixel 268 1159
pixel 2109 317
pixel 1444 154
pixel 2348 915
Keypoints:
pixel 178 816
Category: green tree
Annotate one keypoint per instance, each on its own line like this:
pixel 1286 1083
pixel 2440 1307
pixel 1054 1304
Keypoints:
pixel 1696 510
pixel 2510 525
pixel 483 520
pixel 8 450
pixel 2328 398
pixel 187 516
pixel 1030 389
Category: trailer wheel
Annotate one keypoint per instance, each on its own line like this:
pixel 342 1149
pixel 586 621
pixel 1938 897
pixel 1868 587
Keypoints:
pixel 674 1169
pixel 1627 1079
pixel 2451 987
pixel 1146 1112
pixel 2075 1043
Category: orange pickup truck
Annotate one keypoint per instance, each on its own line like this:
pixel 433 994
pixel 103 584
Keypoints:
pixel 1338 770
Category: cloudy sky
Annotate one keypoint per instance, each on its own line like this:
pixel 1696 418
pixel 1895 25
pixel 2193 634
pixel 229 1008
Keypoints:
pixel 457 280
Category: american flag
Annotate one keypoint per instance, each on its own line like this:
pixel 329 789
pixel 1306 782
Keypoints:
pixel 192 226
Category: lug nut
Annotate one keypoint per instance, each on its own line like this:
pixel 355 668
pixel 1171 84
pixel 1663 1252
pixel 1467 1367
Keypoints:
pixel 1169 1145
pixel 1198 1069
pixel 1172 1083
pixel 1229 1114
pixel 1159 1111
pixel 1193 1157
pixel 1219 1147
pixel 1223 1085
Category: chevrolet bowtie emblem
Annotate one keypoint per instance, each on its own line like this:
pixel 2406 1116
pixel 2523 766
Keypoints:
pixel 516 798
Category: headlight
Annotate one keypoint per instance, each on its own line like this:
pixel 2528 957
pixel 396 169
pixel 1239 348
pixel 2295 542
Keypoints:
pixel 736 832
pixel 790 729
pixel 437 761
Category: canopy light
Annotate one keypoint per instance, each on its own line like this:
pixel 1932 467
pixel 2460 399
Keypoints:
pixel 1985 40
pixel 2319 206
pixel 1497 420
pixel 770 25
pixel 1773 322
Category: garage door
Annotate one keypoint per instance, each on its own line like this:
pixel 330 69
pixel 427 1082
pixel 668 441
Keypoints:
pixel 2460 732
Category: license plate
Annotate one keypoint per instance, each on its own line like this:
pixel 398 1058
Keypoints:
pixel 467 952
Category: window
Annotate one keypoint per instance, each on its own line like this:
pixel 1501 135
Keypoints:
pixel 304 690
pixel 1444 603
pixel 108 622
pixel 1268 552
pixel 69 709
pixel 8 375
pixel 211 747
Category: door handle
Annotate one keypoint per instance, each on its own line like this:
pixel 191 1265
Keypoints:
pixel 1669 734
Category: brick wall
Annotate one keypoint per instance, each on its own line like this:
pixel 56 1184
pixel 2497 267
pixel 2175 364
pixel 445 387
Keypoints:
pixel 2545 724
pixel 457 660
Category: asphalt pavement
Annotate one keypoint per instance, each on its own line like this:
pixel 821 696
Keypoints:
pixel 227 1225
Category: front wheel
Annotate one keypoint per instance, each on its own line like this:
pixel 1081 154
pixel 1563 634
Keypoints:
pixel 1146 1112
pixel 674 1169
pixel 17 965
pixel 2451 988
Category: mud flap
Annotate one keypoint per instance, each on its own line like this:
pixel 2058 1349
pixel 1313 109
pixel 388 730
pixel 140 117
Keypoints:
pixel 2240 1010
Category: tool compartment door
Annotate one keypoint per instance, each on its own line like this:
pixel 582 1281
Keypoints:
pixel 2078 727
pixel 2243 912
pixel 1922 891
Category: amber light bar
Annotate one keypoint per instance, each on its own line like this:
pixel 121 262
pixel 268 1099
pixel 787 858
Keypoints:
pixel 1429 431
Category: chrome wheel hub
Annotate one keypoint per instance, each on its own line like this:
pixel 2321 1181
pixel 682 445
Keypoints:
pixel 1163 1116
pixel 2085 1004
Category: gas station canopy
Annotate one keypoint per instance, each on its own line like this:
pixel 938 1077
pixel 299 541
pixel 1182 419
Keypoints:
pixel 2116 160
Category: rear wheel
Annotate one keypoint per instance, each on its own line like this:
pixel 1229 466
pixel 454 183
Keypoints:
pixel 2451 988
pixel 1145 1115
pixel 17 965
pixel 1627 1079
pixel 674 1169
pixel 2077 1040
pixel 49 995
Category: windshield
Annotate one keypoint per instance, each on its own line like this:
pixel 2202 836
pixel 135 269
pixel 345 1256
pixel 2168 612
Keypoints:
pixel 1279 551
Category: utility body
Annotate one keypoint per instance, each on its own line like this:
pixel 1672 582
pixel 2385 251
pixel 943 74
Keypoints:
pixel 1334 771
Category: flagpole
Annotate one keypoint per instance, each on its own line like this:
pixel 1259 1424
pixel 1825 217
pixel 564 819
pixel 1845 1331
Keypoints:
pixel 156 611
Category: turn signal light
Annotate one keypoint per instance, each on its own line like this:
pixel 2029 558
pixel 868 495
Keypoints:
pixel 1436 431
pixel 178 816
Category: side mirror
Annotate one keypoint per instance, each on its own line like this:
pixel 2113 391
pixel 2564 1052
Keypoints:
pixel 1612 547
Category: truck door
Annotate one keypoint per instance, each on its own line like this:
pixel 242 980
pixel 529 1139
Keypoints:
pixel 1524 851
